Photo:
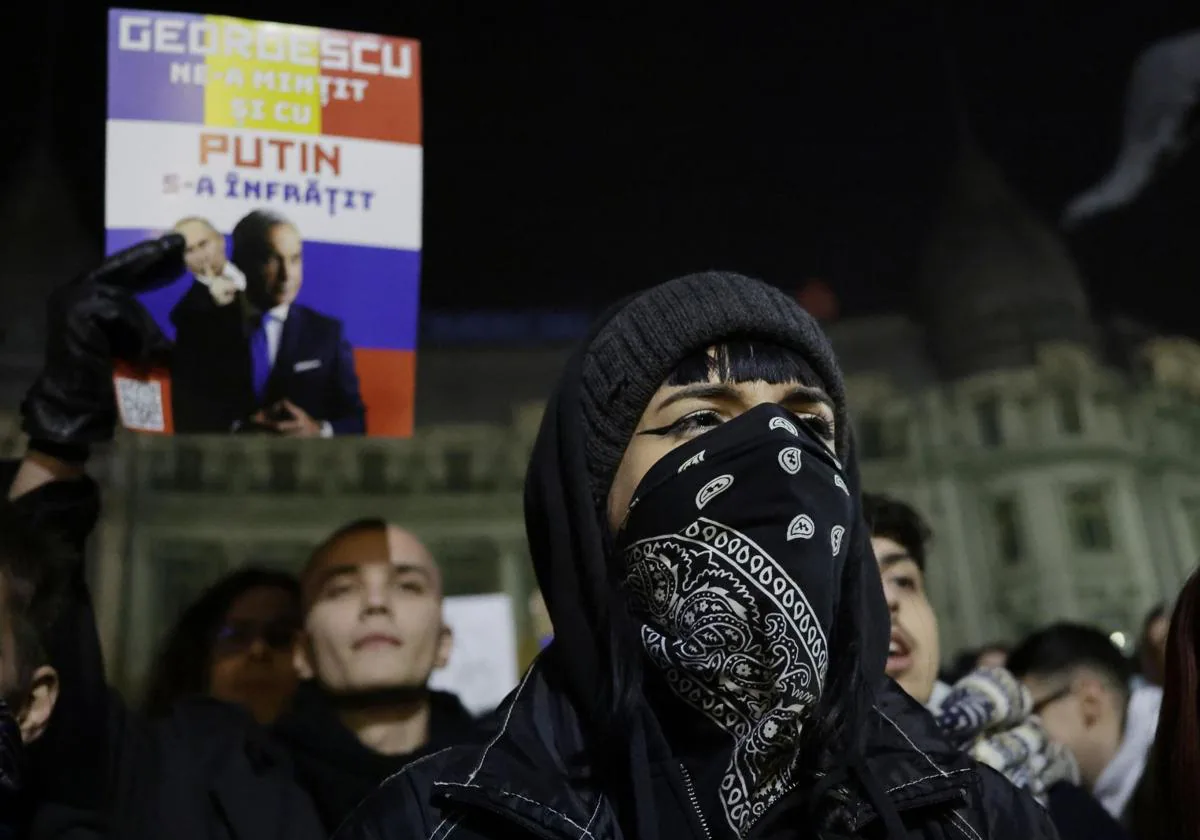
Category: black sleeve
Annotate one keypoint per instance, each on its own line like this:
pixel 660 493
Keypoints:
pixel 1078 816
pixel 394 811
pixel 1011 812
pixel 70 762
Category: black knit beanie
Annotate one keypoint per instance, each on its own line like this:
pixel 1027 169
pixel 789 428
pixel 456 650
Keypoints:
pixel 643 342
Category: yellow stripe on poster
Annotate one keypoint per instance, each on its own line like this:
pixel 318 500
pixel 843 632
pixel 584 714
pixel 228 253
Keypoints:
pixel 263 76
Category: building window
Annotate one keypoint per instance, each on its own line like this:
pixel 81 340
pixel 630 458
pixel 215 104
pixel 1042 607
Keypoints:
pixel 189 467
pixel 1007 522
pixel 880 437
pixel 284 469
pixel 471 565
pixel 1191 508
pixel 182 569
pixel 1087 512
pixel 372 475
pixel 284 556
pixel 987 413
pixel 870 437
pixel 458 470
pixel 1066 406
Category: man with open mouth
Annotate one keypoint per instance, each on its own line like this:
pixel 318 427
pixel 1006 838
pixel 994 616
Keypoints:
pixel 986 714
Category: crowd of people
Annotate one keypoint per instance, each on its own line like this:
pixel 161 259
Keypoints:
pixel 739 640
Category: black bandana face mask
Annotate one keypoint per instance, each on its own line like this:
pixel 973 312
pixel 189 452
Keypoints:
pixel 734 546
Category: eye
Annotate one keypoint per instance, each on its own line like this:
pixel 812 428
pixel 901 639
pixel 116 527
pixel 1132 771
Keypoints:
pixel 905 582
pixel 338 589
pixel 821 426
pixel 696 423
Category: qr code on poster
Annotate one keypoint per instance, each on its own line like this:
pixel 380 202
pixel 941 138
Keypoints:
pixel 140 404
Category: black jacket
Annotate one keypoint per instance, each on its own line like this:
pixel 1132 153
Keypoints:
pixel 336 768
pixel 516 787
pixel 1078 816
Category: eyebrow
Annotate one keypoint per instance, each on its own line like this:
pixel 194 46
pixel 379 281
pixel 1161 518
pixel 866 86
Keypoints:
pixel 722 391
pixel 353 568
pixel 895 558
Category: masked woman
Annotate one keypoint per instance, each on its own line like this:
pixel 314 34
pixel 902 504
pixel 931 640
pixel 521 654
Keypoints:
pixel 720 632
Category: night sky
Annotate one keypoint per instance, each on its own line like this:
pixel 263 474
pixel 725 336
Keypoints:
pixel 572 157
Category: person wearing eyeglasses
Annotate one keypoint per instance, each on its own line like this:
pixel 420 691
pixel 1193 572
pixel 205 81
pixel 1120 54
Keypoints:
pixel 1080 684
pixel 233 643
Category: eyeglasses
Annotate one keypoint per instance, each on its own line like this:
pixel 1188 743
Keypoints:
pixel 239 636
pixel 1053 697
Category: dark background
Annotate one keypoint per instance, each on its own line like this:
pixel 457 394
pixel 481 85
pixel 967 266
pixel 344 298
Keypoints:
pixel 572 156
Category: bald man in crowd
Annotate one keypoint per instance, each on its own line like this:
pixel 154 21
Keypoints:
pixel 373 635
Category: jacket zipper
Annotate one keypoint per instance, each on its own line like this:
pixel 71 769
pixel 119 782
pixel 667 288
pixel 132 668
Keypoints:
pixel 691 792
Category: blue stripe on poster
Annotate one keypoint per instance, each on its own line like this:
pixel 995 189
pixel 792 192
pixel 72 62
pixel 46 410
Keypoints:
pixel 375 292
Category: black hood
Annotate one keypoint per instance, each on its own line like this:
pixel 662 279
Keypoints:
pixel 568 538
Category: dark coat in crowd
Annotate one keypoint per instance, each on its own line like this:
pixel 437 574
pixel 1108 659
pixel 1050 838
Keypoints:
pixel 1078 816
pixel 64 768
pixel 336 769
pixel 555 771
pixel 205 771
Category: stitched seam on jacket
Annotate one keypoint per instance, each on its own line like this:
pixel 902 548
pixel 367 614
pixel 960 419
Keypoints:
pixel 486 750
pixel 583 829
pixel 453 824
pixel 503 729
pixel 904 735
pixel 403 769
pixel 962 822
pixel 927 778
pixel 587 828
pixel 414 764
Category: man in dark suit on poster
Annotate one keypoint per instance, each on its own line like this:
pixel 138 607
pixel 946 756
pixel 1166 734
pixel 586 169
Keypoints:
pixel 264 362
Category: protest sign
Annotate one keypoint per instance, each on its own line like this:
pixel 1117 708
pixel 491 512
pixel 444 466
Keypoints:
pixel 290 158
pixel 483 660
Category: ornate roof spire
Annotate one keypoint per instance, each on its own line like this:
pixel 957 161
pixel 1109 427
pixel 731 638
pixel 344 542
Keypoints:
pixel 997 280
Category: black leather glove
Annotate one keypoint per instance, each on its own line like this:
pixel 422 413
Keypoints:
pixel 91 322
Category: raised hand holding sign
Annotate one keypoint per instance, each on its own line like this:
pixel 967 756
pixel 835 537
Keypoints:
pixel 92 324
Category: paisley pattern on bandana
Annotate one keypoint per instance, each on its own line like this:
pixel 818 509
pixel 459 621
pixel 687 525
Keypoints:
pixel 735 615
pixel 747 651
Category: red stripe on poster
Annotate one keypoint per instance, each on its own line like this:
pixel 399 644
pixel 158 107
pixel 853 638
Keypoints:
pixel 386 380
pixel 379 96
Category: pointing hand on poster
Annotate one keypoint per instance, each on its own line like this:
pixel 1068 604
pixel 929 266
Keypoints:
pixel 92 322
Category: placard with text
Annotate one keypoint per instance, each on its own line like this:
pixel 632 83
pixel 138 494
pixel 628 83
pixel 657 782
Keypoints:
pixel 290 159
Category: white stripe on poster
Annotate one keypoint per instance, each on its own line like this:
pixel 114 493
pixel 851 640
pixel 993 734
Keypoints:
pixel 335 189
